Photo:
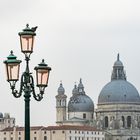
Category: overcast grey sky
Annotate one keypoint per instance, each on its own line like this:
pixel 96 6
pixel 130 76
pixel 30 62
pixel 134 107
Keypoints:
pixel 78 39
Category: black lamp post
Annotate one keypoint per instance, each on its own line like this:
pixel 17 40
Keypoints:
pixel 27 81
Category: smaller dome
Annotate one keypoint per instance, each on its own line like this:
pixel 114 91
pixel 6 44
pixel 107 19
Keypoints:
pixel 61 90
pixel 80 103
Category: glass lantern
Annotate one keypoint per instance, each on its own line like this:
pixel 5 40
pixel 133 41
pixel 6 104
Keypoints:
pixel 27 40
pixel 42 74
pixel 12 67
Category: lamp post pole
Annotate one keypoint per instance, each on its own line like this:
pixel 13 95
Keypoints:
pixel 27 80
pixel 27 115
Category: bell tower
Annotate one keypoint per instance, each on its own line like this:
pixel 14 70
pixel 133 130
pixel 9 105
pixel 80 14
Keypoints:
pixel 61 105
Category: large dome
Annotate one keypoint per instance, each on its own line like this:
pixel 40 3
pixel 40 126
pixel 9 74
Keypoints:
pixel 80 102
pixel 118 90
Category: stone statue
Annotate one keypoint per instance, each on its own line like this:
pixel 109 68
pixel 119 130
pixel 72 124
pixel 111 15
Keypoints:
pixel 99 124
pixel 120 124
pixel 134 123
pixel 112 124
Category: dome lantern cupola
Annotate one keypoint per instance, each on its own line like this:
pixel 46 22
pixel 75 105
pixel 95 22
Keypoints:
pixel 118 71
pixel 81 87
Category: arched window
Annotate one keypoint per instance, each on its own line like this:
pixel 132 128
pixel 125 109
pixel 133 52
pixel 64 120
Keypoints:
pixel 45 137
pixel 131 138
pixel 84 116
pixel 64 102
pixel 128 121
pixel 106 121
pixel 123 120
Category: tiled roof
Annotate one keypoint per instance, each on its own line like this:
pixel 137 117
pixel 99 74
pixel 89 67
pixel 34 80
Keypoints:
pixel 22 128
pixel 70 127
pixel 61 127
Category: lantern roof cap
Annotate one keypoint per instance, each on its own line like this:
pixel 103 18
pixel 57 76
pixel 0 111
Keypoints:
pixel 12 58
pixel 42 65
pixel 28 31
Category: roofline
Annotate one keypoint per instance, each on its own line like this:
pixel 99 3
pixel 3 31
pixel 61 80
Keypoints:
pixel 112 103
pixel 51 128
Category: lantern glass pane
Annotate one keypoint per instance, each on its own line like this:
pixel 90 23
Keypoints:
pixel 13 72
pixel 6 66
pixel 27 43
pixel 42 77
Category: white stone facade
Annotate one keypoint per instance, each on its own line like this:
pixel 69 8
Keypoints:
pixel 81 115
pixel 53 133
pixel 123 115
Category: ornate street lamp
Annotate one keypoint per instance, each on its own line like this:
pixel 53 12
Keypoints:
pixel 27 81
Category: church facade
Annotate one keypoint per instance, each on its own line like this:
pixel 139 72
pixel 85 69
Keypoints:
pixel 117 112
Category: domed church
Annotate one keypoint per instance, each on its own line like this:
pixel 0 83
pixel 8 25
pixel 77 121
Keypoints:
pixel 80 108
pixel 118 108
pixel 117 112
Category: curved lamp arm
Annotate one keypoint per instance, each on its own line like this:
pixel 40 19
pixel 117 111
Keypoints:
pixel 23 85
pixel 38 96
pixel 14 91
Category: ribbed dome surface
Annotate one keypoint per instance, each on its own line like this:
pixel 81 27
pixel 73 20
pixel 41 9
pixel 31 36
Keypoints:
pixel 80 103
pixel 118 63
pixel 119 91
